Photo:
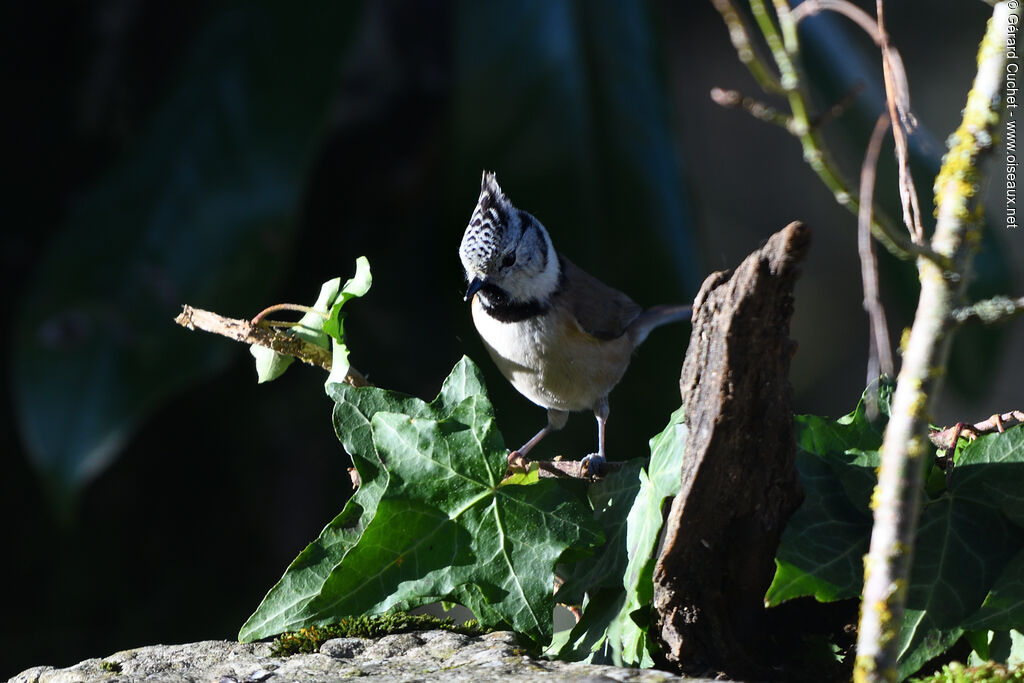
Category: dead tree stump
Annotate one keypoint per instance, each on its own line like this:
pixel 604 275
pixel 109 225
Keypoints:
pixel 739 480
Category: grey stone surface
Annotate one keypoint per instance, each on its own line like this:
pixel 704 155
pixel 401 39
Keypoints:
pixel 406 657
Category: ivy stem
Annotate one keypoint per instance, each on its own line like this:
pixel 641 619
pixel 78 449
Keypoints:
pixel 258 319
pixel 905 444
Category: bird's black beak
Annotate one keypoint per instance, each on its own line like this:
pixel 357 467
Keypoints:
pixel 474 286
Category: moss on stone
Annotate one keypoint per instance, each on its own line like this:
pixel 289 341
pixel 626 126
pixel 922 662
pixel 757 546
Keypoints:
pixel 310 639
pixel 990 672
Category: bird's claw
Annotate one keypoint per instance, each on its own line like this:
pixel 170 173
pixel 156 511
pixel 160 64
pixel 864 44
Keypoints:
pixel 517 461
pixel 591 464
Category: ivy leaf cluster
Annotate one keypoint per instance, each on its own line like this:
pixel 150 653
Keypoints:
pixel 433 520
pixel 967 577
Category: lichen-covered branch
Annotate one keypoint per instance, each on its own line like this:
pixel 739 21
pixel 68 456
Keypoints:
pixel 281 341
pixel 906 443
pixel 995 310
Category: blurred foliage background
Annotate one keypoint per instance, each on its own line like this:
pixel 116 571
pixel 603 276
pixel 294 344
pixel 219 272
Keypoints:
pixel 231 155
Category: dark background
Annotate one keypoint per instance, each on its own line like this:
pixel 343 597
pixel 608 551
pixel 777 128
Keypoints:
pixel 233 155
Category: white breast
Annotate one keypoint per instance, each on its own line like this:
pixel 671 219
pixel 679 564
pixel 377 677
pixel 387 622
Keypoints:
pixel 518 350
pixel 550 361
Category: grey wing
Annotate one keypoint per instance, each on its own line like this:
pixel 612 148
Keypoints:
pixel 601 311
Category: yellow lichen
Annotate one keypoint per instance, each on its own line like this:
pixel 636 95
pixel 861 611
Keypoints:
pixel 904 339
pixel 876 499
pixel 864 666
pixel 958 182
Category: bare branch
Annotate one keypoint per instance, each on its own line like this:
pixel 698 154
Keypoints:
pixel 784 47
pixel 880 359
pixel 732 99
pixel 745 48
pixel 944 438
pixel 897 95
pixel 809 8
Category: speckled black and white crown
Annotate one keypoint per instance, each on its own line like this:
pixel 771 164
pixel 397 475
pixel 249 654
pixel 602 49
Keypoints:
pixel 488 226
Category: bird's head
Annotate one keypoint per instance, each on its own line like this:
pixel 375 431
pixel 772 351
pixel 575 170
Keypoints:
pixel 507 253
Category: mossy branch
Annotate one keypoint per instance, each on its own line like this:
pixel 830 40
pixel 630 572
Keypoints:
pixel 906 442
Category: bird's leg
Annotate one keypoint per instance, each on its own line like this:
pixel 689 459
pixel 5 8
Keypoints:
pixel 592 463
pixel 517 458
pixel 556 420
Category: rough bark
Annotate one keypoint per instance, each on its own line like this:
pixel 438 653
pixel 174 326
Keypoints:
pixel 739 481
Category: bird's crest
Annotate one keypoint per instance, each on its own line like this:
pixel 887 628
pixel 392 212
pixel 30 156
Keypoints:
pixel 487 225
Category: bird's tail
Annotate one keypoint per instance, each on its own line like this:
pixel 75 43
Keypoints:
pixel 656 316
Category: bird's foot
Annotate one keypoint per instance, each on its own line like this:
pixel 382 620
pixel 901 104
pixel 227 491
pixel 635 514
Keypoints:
pixel 591 464
pixel 517 461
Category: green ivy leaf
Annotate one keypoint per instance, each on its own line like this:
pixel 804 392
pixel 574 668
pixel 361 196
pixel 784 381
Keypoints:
pixel 611 498
pixel 600 577
pixel 444 525
pixel 962 575
pixel 1007 647
pixel 610 617
pixel 1003 608
pixel 357 286
pixel 960 549
pixel 645 522
pixel 269 363
pixel 322 326
pixel 964 551
pixel 586 640
pixel 990 470
pixel 822 548
pixel 353 411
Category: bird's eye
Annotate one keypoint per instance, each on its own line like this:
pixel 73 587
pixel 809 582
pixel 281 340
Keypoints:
pixel 509 260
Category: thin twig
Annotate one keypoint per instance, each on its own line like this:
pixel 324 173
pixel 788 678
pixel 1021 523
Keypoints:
pixel 809 8
pixel 732 99
pixel 840 107
pixel 559 468
pixel 748 56
pixel 246 332
pixel 574 469
pixel 782 42
pixel 944 438
pixel 897 97
pixel 880 359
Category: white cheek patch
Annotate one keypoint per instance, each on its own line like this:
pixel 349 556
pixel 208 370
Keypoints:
pixel 542 285
pixel 548 279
